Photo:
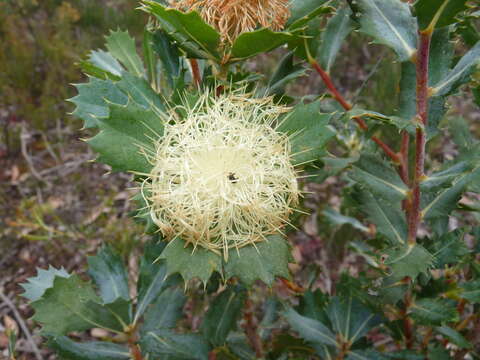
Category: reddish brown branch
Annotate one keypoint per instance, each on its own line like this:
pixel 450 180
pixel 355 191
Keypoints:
pixel 347 106
pixel 420 137
pixel 404 157
pixel 407 321
pixel 250 328
pixel 197 78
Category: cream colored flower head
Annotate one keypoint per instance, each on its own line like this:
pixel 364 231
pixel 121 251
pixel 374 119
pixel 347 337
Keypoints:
pixel 234 17
pixel 222 176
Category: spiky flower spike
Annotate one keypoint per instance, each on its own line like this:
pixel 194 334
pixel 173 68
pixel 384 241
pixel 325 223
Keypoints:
pixel 222 176
pixel 233 17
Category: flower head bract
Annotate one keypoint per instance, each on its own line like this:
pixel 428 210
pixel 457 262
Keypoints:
pixel 234 17
pixel 222 176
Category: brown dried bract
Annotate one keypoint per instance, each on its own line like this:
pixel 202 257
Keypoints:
pixel 234 17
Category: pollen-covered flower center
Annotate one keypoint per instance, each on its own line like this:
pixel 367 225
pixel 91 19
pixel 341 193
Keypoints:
pixel 222 177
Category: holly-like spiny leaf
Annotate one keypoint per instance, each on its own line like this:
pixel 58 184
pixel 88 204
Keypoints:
pixel 389 22
pixel 471 291
pixel 165 311
pixel 104 61
pixel 264 261
pixel 450 248
pixel 190 263
pixel 162 343
pixel 438 13
pixel 109 274
pixel 433 311
pixel 302 11
pixel 169 54
pixel 311 330
pixel 222 315
pixel 409 260
pixel 94 350
pixel 36 286
pixel 285 72
pixel 122 47
pixel 125 137
pixel 308 130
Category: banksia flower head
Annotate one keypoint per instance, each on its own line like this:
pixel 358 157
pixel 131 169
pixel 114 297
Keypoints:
pixel 222 176
pixel 233 17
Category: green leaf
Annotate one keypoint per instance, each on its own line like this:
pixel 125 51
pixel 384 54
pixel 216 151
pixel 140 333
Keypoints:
pixel 122 47
pixel 149 56
pixel 410 260
pixel 192 34
pixel 310 330
pixel 350 318
pixel 390 23
pixel 338 28
pixel 461 134
pixel 450 248
pixel 71 305
pixel 151 280
pixel 388 217
pixel 190 263
pixel 460 74
pixel 285 72
pixel 36 286
pixel 141 92
pixel 124 134
pixel 471 291
pixel 259 41
pixel 169 54
pixel 165 311
pixel 433 311
pixel 92 100
pixel 302 11
pixel 222 315
pixel 94 350
pixel 376 175
pixel 238 344
pixel 335 218
pixel 438 13
pixel 454 336
pixel 308 130
pixel 444 178
pixel 313 305
pixel 264 261
pixel 162 343
pixel 375 355
pixel 109 274
pixel 105 61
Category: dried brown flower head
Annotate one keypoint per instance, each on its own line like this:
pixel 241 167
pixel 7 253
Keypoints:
pixel 234 17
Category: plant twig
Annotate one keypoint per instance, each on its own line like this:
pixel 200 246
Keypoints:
pixel 197 78
pixel 22 324
pixel 347 106
pixel 420 136
pixel 250 328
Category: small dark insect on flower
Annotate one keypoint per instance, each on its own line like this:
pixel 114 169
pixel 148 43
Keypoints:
pixel 232 178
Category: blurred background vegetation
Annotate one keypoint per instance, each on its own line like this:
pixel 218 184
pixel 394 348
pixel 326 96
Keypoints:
pixel 56 207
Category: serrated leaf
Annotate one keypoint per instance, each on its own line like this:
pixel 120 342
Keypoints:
pixel 438 13
pixel 376 175
pixel 222 315
pixel 335 218
pixel 449 248
pixel 388 217
pixel 192 34
pixel 238 345
pixel 264 261
pixel 109 274
pixel 375 355
pixel 460 74
pixel 351 319
pixel 72 305
pixel 169 54
pixel 308 130
pixel 433 311
pixel 338 28
pixel 409 260
pixel 94 350
pixel 310 330
pixel 106 62
pixel 302 11
pixel 461 134
pixel 165 311
pixel 313 305
pixel 122 47
pixel 445 177
pixel 259 41
pixel 285 72
pixel 189 263
pixel 92 98
pixel 149 56
pixel 454 336
pixel 141 92
pixel 162 343
pixel 151 280
pixel 471 291
pixel 36 286
pixel 123 134
pixel 390 23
